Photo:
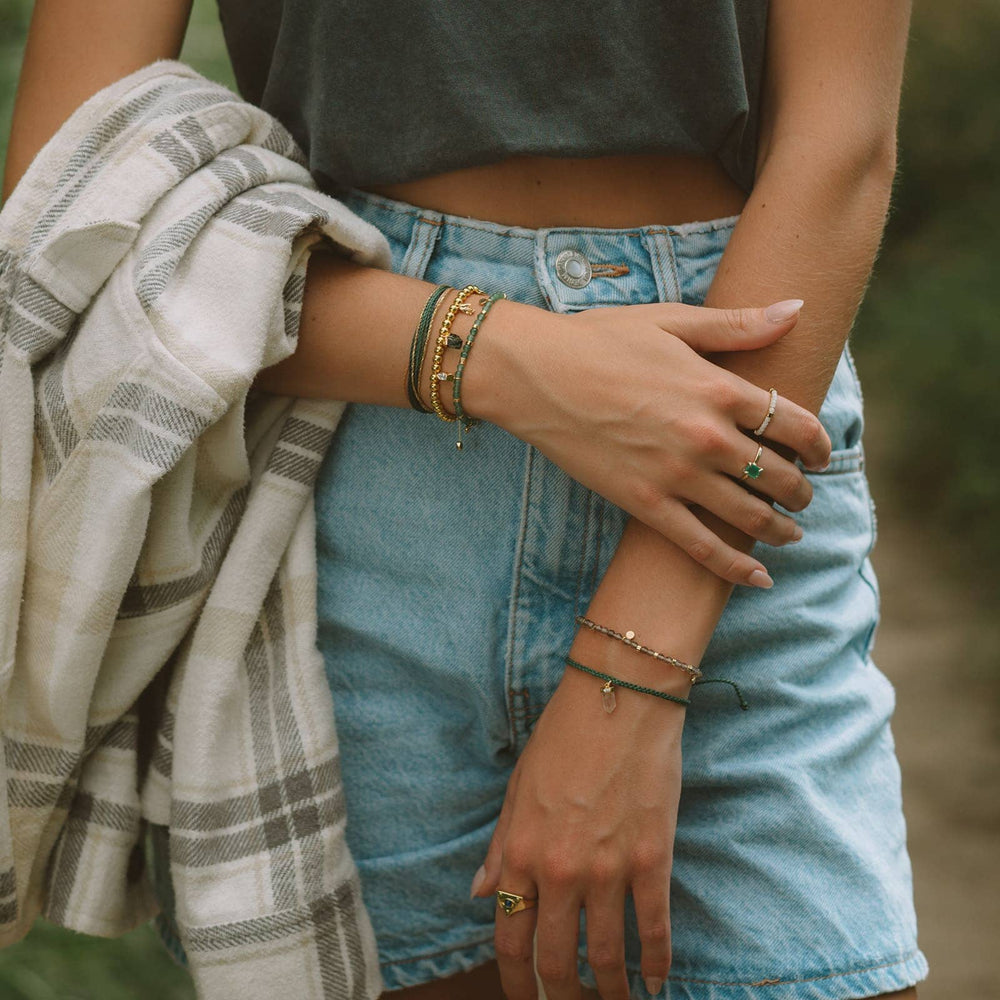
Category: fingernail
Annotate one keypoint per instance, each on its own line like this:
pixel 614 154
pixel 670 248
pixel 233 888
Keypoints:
pixel 653 986
pixel 797 534
pixel 778 312
pixel 477 881
pixel 761 579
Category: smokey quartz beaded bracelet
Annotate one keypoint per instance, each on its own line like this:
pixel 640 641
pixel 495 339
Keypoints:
pixel 629 639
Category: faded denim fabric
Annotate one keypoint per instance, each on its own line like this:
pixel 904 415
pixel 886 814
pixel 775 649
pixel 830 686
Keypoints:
pixel 448 584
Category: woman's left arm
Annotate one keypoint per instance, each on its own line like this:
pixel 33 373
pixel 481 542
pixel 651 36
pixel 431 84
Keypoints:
pixel 591 808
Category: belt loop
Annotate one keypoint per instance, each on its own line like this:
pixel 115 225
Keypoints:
pixel 423 239
pixel 663 262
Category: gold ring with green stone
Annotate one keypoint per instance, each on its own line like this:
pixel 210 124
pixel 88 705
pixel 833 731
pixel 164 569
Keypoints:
pixel 752 470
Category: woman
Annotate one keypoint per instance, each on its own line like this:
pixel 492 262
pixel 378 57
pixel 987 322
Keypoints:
pixel 609 478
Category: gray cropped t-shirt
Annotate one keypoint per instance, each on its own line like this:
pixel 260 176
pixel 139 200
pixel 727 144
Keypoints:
pixel 383 91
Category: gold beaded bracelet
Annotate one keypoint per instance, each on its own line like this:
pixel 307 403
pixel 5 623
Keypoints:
pixel 629 639
pixel 437 375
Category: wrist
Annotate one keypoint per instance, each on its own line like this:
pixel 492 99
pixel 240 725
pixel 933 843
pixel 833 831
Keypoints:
pixel 498 382
pixel 615 658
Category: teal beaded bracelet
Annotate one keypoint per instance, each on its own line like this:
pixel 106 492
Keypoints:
pixel 465 422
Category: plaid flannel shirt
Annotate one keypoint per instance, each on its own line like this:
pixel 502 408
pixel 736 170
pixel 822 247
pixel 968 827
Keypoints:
pixel 158 662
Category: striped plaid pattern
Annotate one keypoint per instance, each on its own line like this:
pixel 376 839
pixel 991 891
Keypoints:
pixel 158 661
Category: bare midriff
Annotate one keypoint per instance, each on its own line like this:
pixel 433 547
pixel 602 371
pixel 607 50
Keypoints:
pixel 617 191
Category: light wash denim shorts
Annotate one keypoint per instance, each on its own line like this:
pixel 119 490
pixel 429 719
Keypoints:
pixel 448 584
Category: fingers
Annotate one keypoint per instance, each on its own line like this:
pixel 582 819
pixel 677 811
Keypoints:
pixel 752 515
pixel 513 940
pixel 558 941
pixel 651 895
pixel 674 521
pixel 779 479
pixel 706 329
pixel 488 881
pixel 791 424
pixel 605 907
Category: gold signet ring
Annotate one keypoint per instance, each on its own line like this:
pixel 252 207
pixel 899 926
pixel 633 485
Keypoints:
pixel 511 902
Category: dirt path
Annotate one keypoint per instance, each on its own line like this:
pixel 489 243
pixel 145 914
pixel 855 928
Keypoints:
pixel 940 646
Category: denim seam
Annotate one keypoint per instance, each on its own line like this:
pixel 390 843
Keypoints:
pixel 542 277
pixel 662 273
pixel 436 954
pixel 515 592
pixel 415 258
pixel 869 643
pixel 602 501
pixel 784 982
pixel 659 264
pixel 429 245
pixel 672 260
pixel 583 551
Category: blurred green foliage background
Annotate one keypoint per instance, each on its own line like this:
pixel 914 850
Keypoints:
pixel 924 340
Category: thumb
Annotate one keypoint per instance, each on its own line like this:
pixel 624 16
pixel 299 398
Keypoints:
pixel 487 879
pixel 741 329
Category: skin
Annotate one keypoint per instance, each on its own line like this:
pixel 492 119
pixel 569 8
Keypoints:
pixel 810 229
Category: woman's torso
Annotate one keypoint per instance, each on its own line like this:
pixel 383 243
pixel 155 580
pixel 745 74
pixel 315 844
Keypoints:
pixel 607 191
pixel 644 111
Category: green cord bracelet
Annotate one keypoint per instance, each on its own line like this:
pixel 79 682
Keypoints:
pixel 609 694
pixel 417 349
pixel 464 422
pixel 608 689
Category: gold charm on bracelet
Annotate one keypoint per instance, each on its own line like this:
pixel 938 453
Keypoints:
pixel 437 375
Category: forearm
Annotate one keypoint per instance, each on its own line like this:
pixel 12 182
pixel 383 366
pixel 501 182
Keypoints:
pixel 811 230
pixel 355 332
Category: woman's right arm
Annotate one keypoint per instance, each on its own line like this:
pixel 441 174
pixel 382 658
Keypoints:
pixel 75 48
pixel 624 403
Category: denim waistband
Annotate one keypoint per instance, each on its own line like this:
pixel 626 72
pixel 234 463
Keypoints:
pixel 627 255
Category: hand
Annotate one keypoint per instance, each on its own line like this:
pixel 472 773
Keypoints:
pixel 590 814
pixel 621 400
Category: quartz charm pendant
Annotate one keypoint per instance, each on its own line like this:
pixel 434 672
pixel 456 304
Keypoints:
pixel 608 693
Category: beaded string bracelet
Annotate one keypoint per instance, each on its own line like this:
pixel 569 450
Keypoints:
pixel 465 422
pixel 418 348
pixel 444 340
pixel 629 639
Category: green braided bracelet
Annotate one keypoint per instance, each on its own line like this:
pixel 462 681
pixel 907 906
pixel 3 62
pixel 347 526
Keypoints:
pixel 465 422
pixel 417 349
pixel 609 694
pixel 608 689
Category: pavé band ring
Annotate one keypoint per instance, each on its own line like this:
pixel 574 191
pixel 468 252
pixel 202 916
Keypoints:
pixel 770 413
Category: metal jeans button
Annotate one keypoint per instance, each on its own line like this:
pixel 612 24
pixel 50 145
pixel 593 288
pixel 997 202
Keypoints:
pixel 573 269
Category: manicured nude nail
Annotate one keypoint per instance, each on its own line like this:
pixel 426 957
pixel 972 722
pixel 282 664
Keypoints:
pixel 653 986
pixel 761 579
pixel 797 534
pixel 477 881
pixel 778 312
